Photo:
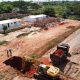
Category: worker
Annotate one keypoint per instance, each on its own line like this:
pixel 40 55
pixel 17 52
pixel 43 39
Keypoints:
pixel 9 52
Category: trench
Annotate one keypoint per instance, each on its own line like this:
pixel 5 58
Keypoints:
pixel 15 62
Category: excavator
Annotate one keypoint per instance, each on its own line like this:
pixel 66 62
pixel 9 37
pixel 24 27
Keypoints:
pixel 42 71
pixel 47 72
pixel 51 72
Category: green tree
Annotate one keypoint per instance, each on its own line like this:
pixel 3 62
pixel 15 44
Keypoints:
pixel 49 11
pixel 61 10
pixel 1 9
pixel 5 29
pixel 35 6
pixel 22 5
pixel 7 8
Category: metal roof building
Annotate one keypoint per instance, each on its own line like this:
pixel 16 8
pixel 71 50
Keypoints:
pixel 33 18
pixel 11 23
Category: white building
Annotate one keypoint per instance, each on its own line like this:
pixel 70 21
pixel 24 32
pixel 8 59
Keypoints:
pixel 11 23
pixel 33 18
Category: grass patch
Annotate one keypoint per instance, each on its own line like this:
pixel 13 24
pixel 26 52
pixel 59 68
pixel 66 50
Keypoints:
pixel 3 42
pixel 74 17
pixel 34 56
pixel 50 44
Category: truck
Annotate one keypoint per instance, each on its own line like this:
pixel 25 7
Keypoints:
pixel 59 56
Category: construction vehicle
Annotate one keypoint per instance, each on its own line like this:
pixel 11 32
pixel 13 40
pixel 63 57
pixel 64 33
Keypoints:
pixel 47 72
pixel 60 55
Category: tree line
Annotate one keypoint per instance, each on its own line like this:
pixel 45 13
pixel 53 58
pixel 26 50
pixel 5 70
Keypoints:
pixel 64 9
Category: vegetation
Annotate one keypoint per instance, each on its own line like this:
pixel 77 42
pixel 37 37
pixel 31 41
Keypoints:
pixel 34 56
pixel 12 30
pixel 5 29
pixel 64 9
pixel 49 11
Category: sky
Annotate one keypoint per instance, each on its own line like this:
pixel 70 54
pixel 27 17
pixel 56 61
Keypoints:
pixel 40 0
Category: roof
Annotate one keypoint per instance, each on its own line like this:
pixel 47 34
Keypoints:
pixel 9 21
pixel 36 16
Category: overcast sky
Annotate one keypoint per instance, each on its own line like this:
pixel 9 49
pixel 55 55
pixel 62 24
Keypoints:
pixel 40 0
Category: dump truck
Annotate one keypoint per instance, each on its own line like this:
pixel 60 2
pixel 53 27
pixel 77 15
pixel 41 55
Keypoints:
pixel 47 72
pixel 60 55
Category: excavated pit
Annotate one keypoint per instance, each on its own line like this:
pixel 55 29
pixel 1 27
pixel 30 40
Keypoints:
pixel 15 62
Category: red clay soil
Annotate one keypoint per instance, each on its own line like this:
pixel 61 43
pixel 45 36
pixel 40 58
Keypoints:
pixel 45 60
pixel 21 78
pixel 28 45
pixel 31 72
pixel 34 43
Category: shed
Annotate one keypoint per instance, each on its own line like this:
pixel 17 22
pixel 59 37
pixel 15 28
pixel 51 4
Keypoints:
pixel 33 18
pixel 11 23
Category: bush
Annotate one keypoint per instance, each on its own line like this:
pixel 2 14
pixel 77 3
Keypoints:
pixel 5 29
pixel 74 17
pixel 49 11
pixel 34 56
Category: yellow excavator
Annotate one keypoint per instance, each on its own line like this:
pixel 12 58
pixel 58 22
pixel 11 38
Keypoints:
pixel 47 72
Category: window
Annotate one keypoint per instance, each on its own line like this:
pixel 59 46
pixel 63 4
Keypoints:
pixel 8 24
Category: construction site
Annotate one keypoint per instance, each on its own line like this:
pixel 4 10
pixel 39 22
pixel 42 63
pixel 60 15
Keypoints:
pixel 45 50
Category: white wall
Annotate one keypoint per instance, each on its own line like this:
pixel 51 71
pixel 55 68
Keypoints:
pixel 11 25
pixel 14 24
pixel 29 19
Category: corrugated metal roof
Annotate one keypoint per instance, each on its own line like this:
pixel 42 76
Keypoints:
pixel 9 21
pixel 36 16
